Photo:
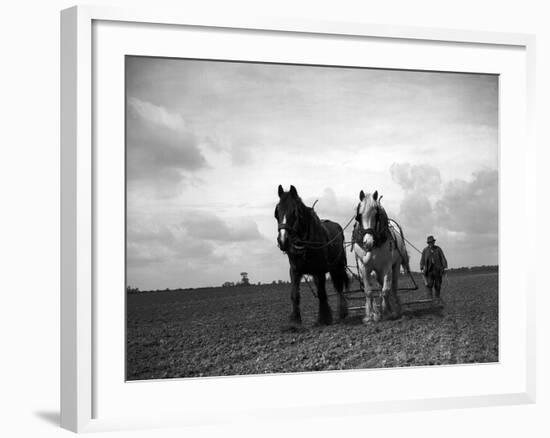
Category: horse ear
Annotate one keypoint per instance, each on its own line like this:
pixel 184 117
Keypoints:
pixel 293 191
pixel 375 195
pixel 361 195
pixel 281 191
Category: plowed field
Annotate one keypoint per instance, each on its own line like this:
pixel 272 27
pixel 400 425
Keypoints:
pixel 244 330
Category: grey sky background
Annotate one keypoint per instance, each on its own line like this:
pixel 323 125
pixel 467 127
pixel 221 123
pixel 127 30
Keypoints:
pixel 209 142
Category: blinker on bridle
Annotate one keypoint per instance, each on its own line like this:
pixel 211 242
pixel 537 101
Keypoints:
pixel 291 229
pixel 374 232
pixel 282 226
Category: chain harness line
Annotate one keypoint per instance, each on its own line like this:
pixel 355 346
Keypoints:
pixel 304 244
pixel 315 245
pixel 310 288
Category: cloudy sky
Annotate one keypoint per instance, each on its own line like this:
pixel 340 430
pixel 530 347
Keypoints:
pixel 209 142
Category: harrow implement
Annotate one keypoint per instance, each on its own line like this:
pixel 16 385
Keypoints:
pixel 357 294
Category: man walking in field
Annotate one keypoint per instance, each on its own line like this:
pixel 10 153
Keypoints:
pixel 433 264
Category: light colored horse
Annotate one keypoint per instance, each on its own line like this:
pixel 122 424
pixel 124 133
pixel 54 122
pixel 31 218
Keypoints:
pixel 380 252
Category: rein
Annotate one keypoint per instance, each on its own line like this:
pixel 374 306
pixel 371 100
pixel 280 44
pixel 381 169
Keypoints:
pixel 300 245
pixel 318 245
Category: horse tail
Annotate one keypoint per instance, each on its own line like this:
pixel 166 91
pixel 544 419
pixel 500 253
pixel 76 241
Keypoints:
pixel 338 260
pixel 344 267
pixel 340 279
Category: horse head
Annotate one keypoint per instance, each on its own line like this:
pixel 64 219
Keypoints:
pixel 287 214
pixel 373 218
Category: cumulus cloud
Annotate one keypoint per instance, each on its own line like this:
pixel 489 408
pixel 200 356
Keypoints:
pixel 209 226
pixel 200 250
pixel 421 178
pixel 242 149
pixel 199 235
pixel 160 244
pixel 470 206
pixel 462 214
pixel 162 152
pixel 157 115
pixel 331 206
pixel 416 211
pixel 419 182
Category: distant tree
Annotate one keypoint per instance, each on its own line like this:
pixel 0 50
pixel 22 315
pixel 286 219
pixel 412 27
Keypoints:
pixel 228 284
pixel 244 280
pixel 132 290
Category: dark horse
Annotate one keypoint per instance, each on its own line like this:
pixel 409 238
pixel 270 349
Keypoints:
pixel 314 247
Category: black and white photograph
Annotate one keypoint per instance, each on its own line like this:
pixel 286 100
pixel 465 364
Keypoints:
pixel 285 218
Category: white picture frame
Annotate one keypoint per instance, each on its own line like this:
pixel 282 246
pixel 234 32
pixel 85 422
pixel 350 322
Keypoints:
pixel 83 370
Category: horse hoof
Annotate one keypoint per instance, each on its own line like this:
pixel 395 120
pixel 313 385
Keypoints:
pixel 325 319
pixel 295 319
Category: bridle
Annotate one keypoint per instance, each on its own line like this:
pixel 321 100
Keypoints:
pixel 287 227
pixel 299 244
pixel 379 233
pixel 292 231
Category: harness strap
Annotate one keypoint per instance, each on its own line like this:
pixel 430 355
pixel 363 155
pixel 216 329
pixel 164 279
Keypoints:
pixel 359 233
pixel 282 226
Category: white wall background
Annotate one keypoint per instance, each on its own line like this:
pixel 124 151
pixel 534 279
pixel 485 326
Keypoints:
pixel 29 219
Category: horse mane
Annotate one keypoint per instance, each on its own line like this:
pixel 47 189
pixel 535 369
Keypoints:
pixel 309 222
pixel 383 215
pixel 383 221
pixel 307 212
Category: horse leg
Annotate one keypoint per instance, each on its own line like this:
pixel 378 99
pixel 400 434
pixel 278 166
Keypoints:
pixel 325 314
pixel 391 305
pixel 340 280
pixel 395 304
pixel 369 286
pixel 386 285
pixel 295 316
pixel 363 258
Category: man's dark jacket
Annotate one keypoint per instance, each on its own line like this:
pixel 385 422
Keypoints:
pixel 433 260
